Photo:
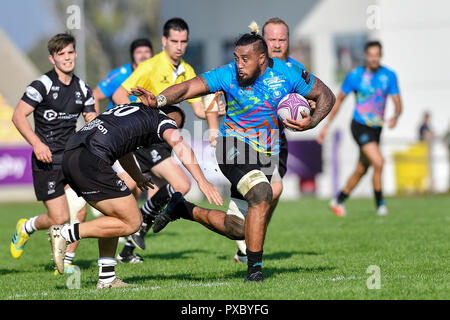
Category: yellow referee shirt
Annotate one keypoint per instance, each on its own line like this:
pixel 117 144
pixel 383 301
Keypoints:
pixel 158 73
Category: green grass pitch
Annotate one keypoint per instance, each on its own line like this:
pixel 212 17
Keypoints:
pixel 309 254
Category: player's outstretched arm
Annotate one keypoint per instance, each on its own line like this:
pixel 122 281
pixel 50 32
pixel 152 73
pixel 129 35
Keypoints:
pixel 187 157
pixel 324 99
pixel 129 164
pixel 196 87
pixel 19 118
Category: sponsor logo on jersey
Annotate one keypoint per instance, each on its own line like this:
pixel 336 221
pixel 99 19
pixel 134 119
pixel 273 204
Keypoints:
pixel 96 123
pixel 50 115
pixel 55 88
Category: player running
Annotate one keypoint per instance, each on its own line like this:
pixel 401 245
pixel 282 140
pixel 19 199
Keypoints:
pixel 248 142
pixel 87 166
pixel 371 83
pixel 56 99
pixel 276 34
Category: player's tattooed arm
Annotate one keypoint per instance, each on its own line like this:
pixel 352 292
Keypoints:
pixel 324 99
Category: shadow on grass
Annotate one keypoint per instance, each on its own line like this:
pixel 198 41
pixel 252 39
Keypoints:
pixel 82 264
pixel 236 275
pixel 4 272
pixel 173 255
pixel 279 255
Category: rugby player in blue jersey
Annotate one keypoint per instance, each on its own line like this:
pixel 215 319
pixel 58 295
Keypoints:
pixel 140 50
pixel 371 83
pixel 276 34
pixel 248 142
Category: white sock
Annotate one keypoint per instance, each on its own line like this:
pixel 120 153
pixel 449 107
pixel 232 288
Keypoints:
pixel 68 258
pixel 28 227
pixel 70 232
pixel 106 271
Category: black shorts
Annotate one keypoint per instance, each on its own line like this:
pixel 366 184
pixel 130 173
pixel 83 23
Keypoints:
pixel 282 168
pixel 147 158
pixel 48 184
pixel 236 158
pixel 364 134
pixel 91 177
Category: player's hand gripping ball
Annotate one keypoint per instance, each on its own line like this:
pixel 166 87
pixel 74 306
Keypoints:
pixel 291 106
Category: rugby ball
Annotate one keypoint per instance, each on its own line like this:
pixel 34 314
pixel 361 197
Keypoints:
pixel 291 107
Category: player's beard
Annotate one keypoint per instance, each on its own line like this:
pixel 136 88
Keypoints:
pixel 247 82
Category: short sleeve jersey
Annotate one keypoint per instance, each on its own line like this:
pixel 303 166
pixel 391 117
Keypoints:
pixel 113 81
pixel 56 110
pixel 252 111
pixel 371 90
pixel 121 130
pixel 158 73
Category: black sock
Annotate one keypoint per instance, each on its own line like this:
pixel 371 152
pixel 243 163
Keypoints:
pixel 342 197
pixel 128 249
pixel 379 198
pixel 188 213
pixel 254 261
pixel 159 199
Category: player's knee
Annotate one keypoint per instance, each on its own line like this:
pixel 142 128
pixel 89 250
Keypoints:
pixel 277 189
pixel 234 227
pixel 260 194
pixel 361 170
pixel 255 188
pixel 133 224
pixel 183 186
pixel 378 163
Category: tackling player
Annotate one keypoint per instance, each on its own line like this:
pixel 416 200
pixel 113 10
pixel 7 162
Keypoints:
pixel 156 74
pixel 87 166
pixel 248 142
pixel 371 83
pixel 56 99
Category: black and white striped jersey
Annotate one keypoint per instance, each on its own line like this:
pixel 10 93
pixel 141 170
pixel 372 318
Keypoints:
pixel 121 130
pixel 56 109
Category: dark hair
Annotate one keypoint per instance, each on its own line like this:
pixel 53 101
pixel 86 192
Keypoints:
pixel 139 43
pixel 275 21
pixel 59 42
pixel 374 43
pixel 250 38
pixel 174 24
pixel 169 109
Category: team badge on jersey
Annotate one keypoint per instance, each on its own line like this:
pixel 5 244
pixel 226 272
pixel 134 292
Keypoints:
pixel 51 187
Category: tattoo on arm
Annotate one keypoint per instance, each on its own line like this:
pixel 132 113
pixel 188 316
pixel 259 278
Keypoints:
pixel 324 99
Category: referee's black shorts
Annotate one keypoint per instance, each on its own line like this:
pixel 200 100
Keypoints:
pixel 92 177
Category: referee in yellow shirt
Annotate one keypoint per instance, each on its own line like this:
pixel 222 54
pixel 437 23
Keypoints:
pixel 156 74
